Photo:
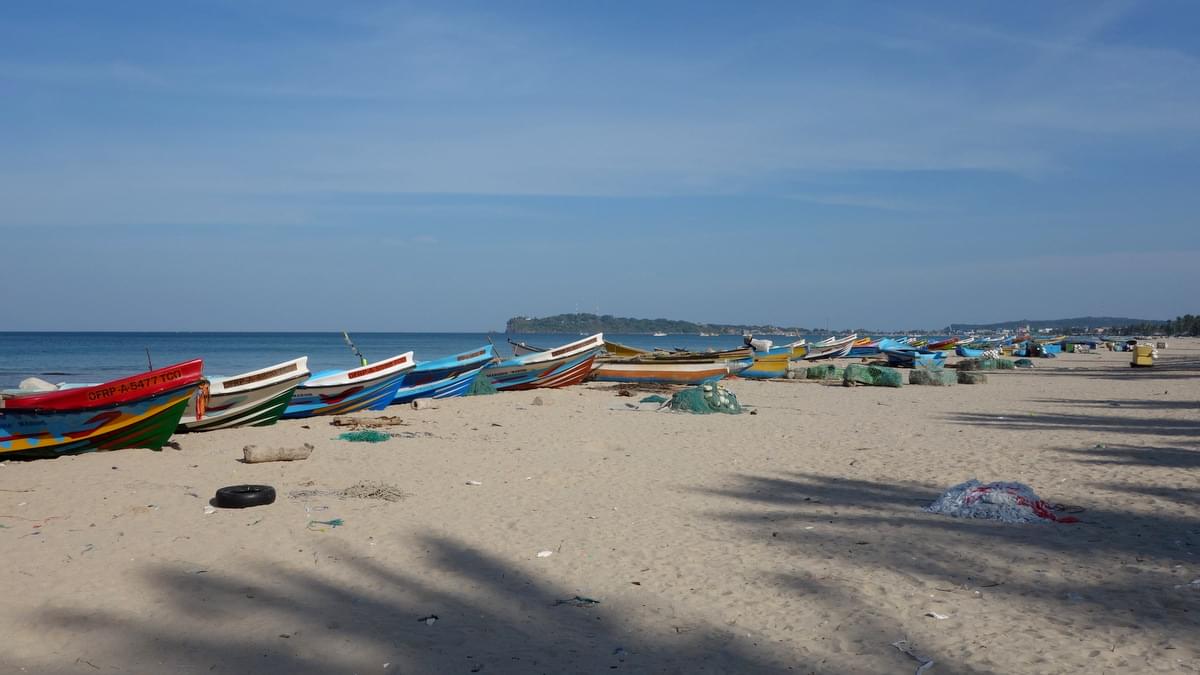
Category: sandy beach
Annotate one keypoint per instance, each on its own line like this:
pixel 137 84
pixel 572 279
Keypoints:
pixel 791 540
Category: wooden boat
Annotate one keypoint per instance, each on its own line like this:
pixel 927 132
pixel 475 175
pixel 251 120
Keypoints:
pixel 660 372
pixel 255 399
pixel 141 411
pixel 969 353
pixel 864 347
pixel 768 366
pixel 334 392
pixel 446 377
pixel 618 349
pixel 947 344
pixel 830 348
pixel 560 367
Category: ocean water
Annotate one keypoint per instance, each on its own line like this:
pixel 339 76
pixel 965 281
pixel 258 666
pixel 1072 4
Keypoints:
pixel 102 356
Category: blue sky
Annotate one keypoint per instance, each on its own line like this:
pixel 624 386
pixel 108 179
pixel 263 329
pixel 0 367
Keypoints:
pixel 444 166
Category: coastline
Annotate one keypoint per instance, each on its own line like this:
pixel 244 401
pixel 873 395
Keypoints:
pixel 792 538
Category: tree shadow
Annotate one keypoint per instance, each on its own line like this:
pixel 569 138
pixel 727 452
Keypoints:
pixel 1165 368
pixel 1169 457
pixel 1107 424
pixel 1147 404
pixel 879 533
pixel 475 614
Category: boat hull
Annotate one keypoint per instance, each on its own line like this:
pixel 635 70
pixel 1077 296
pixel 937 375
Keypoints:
pixel 255 399
pixel 561 372
pixel 767 367
pixel 444 378
pixel 372 387
pixel 660 373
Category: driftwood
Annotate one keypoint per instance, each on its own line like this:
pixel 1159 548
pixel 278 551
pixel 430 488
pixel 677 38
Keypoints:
pixel 368 422
pixel 252 454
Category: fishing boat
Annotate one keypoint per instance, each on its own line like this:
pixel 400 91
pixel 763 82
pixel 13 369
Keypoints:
pixel 618 349
pixel 659 334
pixel 947 344
pixel 559 367
pixel 141 411
pixel 256 399
pixel 334 392
pixel 768 366
pixel 912 357
pixel 864 347
pixel 660 371
pixel 830 348
pixel 446 377
pixel 968 352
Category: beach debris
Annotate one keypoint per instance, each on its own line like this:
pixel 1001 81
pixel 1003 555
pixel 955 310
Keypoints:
pixel 826 371
pixel 545 554
pixel 244 496
pixel 252 454
pixel 474 482
pixel 910 650
pixel 360 490
pixel 423 404
pixel 624 392
pixel 368 422
pixel 209 509
pixel 428 620
pixel 935 615
pixel 364 436
pixel 1023 363
pixel 966 377
pixel 704 400
pixel 1004 501
pixel 578 601
pixel 537 400
pixel 316 525
pixel 876 376
pixel 654 398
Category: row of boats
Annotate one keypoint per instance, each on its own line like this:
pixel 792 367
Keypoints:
pixel 145 410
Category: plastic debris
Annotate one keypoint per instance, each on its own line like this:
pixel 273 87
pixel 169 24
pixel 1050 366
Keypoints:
pixel 336 522
pixel 910 649
pixel 474 482
pixel 209 510
pixel 364 436
pixel 654 398
pixel 578 601
pixel 1006 502
pixel 428 620
pixel 545 554
pixel 935 615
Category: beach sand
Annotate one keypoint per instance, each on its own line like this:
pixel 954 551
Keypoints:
pixel 791 540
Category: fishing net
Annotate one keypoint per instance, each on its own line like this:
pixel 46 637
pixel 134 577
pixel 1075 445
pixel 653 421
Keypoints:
pixel 875 376
pixel 705 400
pixel 1006 502
pixel 364 436
pixel 937 377
pixel 965 377
pixel 826 371
pixel 482 386
pixel 1023 363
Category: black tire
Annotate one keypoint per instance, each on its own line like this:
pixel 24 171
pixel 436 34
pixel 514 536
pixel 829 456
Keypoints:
pixel 243 496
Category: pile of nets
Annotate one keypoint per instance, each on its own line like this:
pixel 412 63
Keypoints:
pixel 877 376
pixel 1023 363
pixel 705 399
pixel 826 371
pixel 364 436
pixel 1006 502
pixel 987 364
pixel 937 377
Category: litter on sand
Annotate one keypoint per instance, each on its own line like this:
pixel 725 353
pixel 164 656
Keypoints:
pixel 545 554
pixel 329 524
pixel 910 650
pixel 577 601
pixel 1006 502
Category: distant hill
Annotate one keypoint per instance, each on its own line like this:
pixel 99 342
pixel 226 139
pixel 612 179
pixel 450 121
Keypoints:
pixel 1083 323
pixel 594 323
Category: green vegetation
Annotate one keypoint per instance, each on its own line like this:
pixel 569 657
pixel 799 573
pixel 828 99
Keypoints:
pixel 593 323
pixel 1083 324
pixel 1188 324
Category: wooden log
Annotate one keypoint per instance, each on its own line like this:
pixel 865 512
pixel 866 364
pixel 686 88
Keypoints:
pixel 252 454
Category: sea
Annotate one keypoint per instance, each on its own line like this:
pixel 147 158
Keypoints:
pixel 93 357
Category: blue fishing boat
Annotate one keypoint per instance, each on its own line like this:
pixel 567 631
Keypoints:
pixel 911 357
pixel 445 377
pixel 559 367
pixel 335 392
pixel 968 352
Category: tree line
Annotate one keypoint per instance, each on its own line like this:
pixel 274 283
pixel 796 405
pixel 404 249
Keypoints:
pixel 1186 325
